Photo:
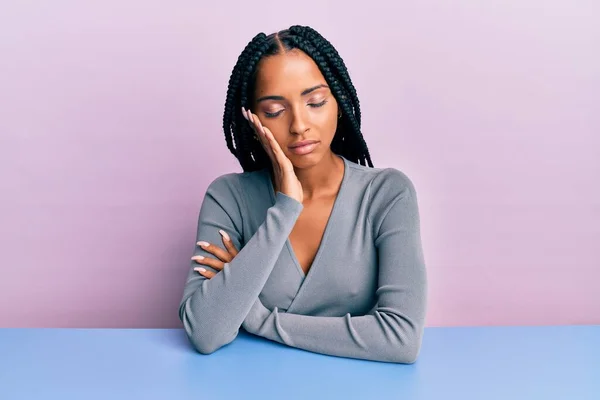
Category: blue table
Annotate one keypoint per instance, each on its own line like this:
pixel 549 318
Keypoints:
pixel 455 363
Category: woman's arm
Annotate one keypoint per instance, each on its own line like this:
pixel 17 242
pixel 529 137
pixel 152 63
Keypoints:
pixel 212 310
pixel 392 331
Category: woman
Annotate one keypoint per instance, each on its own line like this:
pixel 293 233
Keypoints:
pixel 331 258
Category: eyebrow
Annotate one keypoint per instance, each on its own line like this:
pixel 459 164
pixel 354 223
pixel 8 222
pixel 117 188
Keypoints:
pixel 304 93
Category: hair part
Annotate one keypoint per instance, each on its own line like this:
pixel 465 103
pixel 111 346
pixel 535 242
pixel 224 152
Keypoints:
pixel 348 140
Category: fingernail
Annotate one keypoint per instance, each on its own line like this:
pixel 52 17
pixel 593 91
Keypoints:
pixel 199 258
pixel 200 269
pixel 202 244
pixel 244 113
pixel 224 234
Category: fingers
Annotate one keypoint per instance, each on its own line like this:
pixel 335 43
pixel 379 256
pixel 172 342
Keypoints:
pixel 252 119
pixel 221 254
pixel 259 130
pixel 211 262
pixel 228 244
pixel 265 134
pixel 279 155
pixel 224 256
pixel 284 163
pixel 256 121
pixel 205 272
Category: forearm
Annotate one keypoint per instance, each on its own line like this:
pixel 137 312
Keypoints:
pixel 384 335
pixel 213 312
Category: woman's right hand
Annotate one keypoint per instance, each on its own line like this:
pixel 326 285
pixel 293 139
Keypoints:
pixel 286 180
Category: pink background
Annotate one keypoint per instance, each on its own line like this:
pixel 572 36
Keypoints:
pixel 110 131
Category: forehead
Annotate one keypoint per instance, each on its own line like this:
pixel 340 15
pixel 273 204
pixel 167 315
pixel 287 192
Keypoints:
pixel 289 73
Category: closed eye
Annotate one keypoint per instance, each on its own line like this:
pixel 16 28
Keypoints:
pixel 273 115
pixel 313 105
pixel 321 104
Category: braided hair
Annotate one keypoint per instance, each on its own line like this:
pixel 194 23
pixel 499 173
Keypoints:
pixel 347 141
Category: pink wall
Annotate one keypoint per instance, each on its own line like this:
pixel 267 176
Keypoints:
pixel 110 131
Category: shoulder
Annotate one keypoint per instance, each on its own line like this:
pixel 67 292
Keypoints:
pixel 389 188
pixel 234 181
pixel 390 182
pixel 383 183
pixel 229 188
pixel 227 194
pixel 386 188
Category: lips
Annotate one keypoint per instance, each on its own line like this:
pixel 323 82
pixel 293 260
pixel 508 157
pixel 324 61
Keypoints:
pixel 302 143
pixel 305 149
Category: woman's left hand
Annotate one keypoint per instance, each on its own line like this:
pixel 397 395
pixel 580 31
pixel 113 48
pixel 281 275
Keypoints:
pixel 223 256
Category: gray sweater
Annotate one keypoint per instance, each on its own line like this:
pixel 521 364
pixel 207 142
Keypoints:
pixel 364 295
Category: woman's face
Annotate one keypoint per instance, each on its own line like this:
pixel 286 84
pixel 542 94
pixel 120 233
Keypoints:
pixel 294 101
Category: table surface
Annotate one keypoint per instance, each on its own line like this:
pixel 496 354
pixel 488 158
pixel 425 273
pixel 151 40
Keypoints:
pixel 558 362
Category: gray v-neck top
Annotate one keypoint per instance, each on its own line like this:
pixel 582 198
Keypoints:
pixel 364 295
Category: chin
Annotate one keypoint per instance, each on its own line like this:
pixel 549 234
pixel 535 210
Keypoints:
pixel 305 161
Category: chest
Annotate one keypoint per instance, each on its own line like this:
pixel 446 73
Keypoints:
pixel 307 235
pixel 328 265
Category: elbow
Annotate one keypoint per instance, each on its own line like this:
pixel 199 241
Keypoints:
pixel 205 339
pixel 406 353
pixel 204 346
pixel 407 350
pixel 208 341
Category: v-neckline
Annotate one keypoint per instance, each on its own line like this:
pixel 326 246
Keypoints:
pixel 327 230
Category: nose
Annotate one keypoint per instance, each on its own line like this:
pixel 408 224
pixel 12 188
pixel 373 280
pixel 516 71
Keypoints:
pixel 299 123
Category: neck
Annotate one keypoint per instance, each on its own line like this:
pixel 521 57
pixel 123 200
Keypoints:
pixel 322 179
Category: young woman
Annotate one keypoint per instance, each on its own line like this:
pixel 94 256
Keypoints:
pixel 309 246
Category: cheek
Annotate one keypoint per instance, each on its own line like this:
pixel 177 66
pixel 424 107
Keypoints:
pixel 280 133
pixel 325 117
pixel 332 115
pixel 327 122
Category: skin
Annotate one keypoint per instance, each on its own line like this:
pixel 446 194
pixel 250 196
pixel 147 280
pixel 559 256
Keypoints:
pixel 293 102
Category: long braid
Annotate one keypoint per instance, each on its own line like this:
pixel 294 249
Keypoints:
pixel 332 56
pixel 348 139
pixel 338 65
pixel 236 131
